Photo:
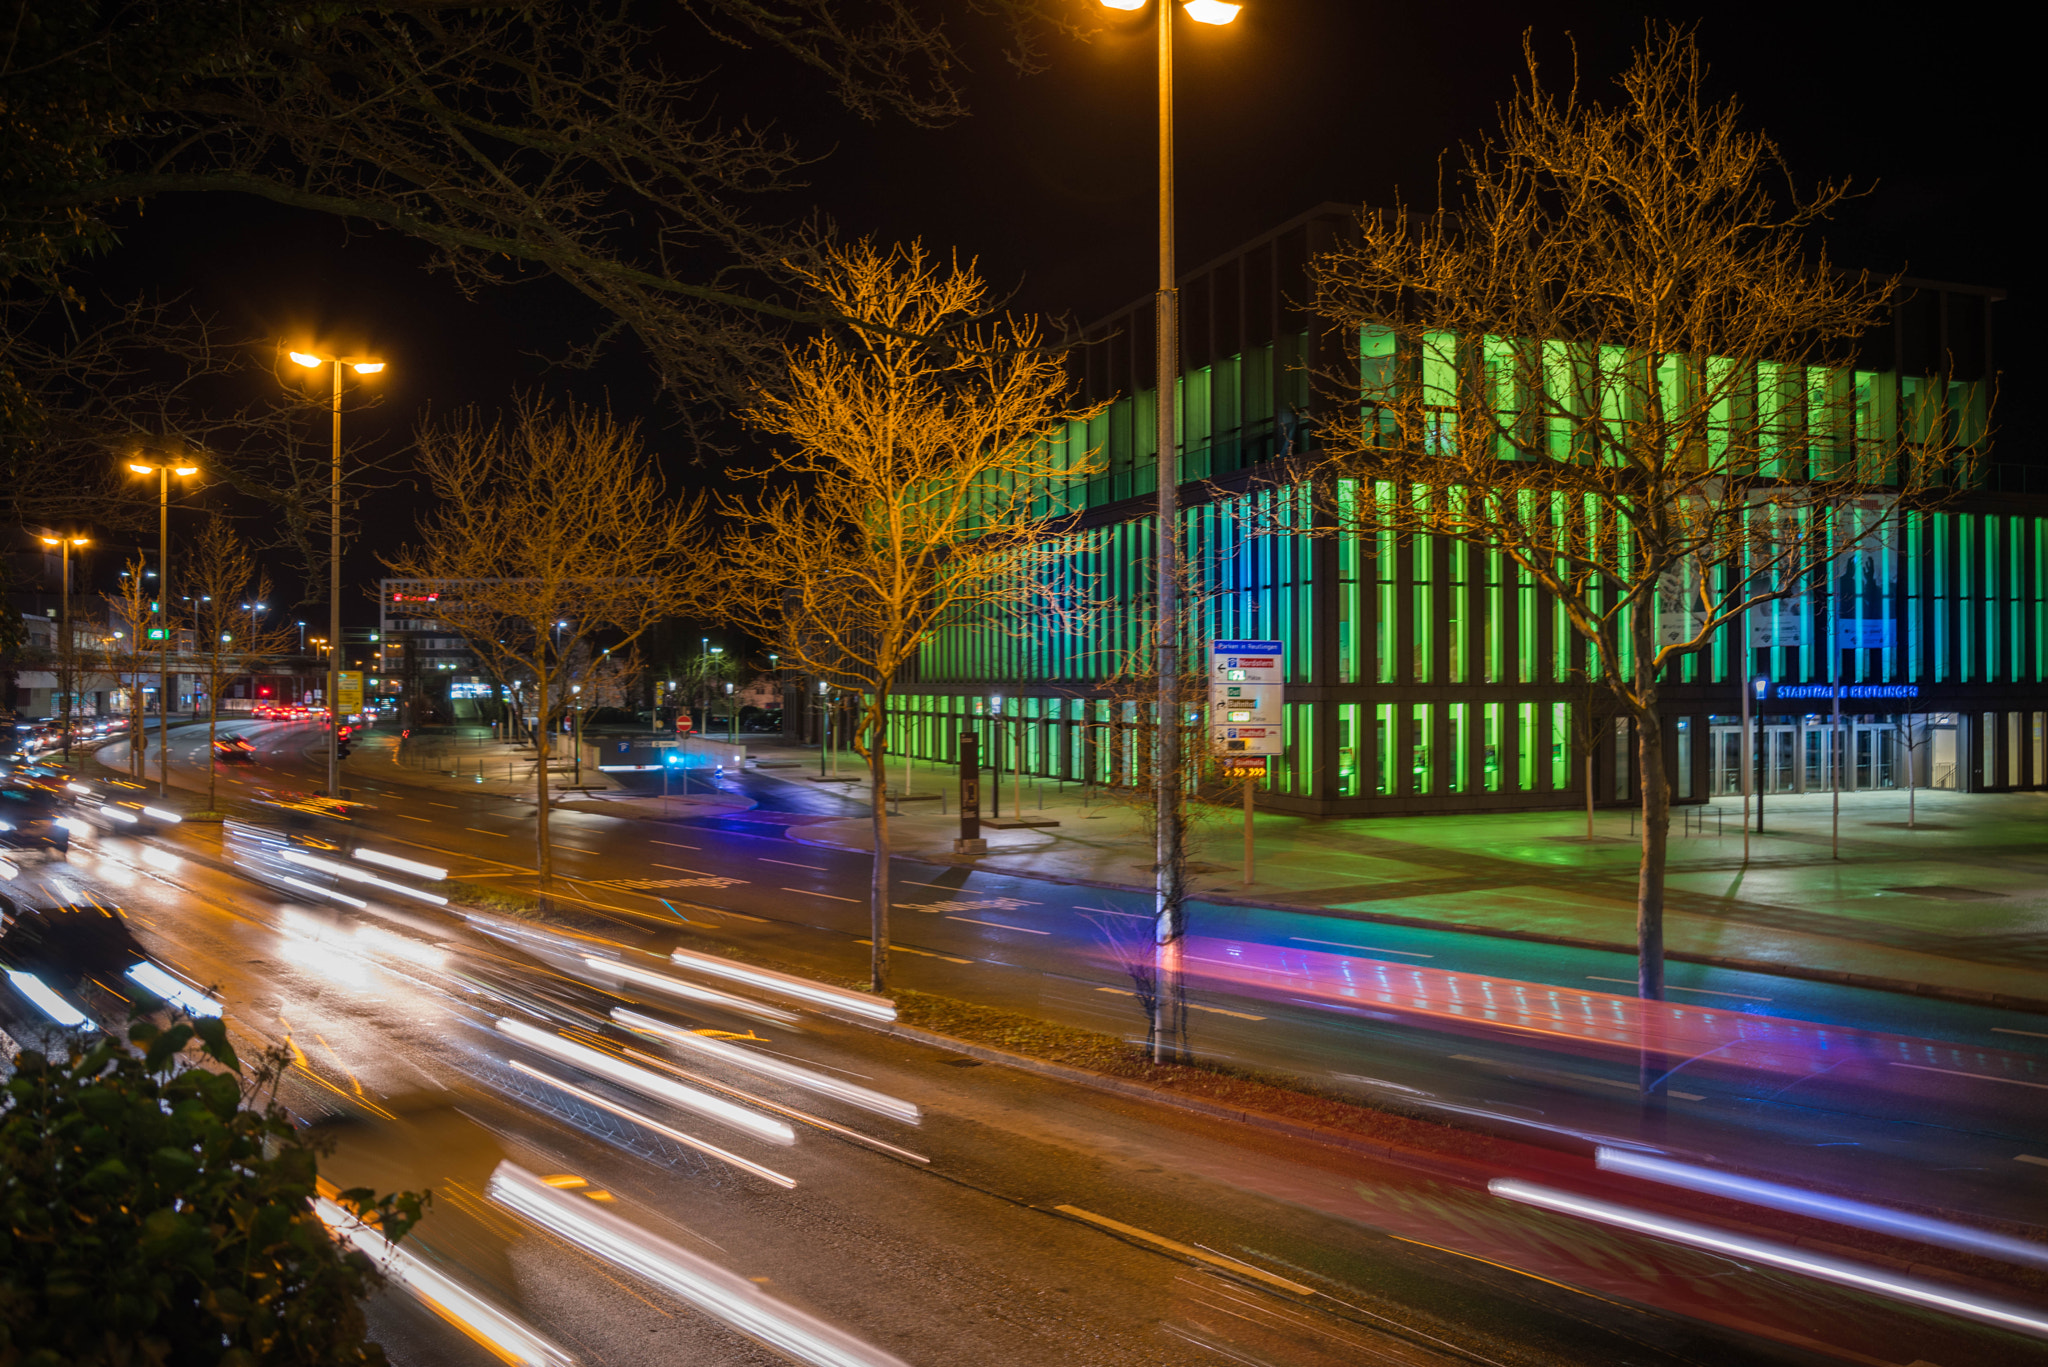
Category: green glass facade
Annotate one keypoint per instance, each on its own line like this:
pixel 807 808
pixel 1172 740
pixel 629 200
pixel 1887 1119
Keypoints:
pixel 1428 675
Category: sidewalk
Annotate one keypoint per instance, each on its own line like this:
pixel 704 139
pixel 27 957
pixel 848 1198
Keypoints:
pixel 1956 907
pixel 481 764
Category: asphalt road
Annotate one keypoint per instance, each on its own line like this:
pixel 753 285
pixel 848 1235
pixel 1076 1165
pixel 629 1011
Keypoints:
pixel 1952 1117
pixel 968 1257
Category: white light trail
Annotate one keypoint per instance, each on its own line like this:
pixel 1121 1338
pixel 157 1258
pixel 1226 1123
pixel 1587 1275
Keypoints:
pixel 48 1002
pixel 650 1123
pixel 661 982
pixel 401 947
pixel 171 990
pixel 1834 1208
pixel 392 861
pixel 314 861
pixel 123 814
pixel 493 1328
pixel 315 889
pixel 1933 1295
pixel 803 989
pixel 651 1084
pixel 736 1057
pixel 159 814
pixel 726 1297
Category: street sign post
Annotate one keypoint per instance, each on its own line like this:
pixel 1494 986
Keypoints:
pixel 970 841
pixel 1245 682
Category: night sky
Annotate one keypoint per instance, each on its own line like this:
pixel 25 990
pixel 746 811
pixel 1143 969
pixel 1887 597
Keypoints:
pixel 1050 182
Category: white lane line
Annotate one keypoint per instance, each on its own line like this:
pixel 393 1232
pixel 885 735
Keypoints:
pixel 1370 949
pixel 1981 1077
pixel 790 864
pixel 1674 987
pixel 672 844
pixel 1135 916
pixel 921 953
pixel 999 925
pixel 948 887
pixel 678 868
pixel 1192 1006
pixel 2030 1034
pixel 806 892
pixel 2030 1158
pixel 1576 1077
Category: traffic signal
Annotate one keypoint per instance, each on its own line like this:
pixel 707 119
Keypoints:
pixel 341 741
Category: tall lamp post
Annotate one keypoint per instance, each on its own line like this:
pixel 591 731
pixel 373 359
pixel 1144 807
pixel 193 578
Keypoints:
pixel 64 661
pixel 1170 925
pixel 163 475
pixel 361 365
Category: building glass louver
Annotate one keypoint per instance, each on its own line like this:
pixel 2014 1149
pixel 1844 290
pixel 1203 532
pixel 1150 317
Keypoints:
pixel 1425 674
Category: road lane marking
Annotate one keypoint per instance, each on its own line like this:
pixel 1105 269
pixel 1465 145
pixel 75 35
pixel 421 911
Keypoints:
pixel 701 873
pixel 806 892
pixel 1981 1077
pixel 1574 1077
pixel 1186 1250
pixel 1370 949
pixel 449 805
pixel 1192 1006
pixel 921 953
pixel 2030 1034
pixel 672 844
pixel 1506 1268
pixel 500 834
pixel 998 925
pixel 1674 987
pixel 403 817
pixel 948 887
pixel 814 868
pixel 1135 916
pixel 2030 1158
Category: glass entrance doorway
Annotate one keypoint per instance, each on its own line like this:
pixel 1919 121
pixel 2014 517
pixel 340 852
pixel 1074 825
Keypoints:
pixel 1801 756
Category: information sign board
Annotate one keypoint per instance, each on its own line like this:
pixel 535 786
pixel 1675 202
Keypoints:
pixel 1245 679
pixel 350 695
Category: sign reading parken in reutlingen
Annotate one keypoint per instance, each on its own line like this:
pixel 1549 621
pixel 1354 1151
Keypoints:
pixel 1245 679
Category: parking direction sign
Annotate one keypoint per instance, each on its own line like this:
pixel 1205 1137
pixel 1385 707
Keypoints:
pixel 1245 662
pixel 1245 679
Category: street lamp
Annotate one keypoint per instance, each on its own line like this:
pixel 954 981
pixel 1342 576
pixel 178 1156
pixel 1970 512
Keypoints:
pixel 1170 925
pixel 70 682
pixel 361 365
pixel 163 475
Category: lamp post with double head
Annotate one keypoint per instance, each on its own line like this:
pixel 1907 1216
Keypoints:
pixel 361 365
pixel 1170 889
pixel 163 473
pixel 65 664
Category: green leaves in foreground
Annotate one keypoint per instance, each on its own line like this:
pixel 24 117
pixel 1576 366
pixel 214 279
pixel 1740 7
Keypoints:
pixel 155 1209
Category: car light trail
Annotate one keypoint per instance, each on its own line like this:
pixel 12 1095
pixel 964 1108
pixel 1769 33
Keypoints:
pixel 675 987
pixel 159 814
pixel 1833 1208
pixel 791 1073
pixel 48 1002
pixel 488 1325
pixel 392 861
pixel 803 989
pixel 649 1123
pixel 650 1084
pixel 313 861
pixel 315 889
pixel 1933 1295
pixel 171 990
pixel 401 947
pixel 730 1299
pixel 765 1104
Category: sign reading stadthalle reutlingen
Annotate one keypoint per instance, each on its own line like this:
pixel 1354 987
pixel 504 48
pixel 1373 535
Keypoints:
pixel 1245 678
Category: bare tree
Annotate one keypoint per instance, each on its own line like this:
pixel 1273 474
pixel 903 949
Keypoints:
pixel 1619 360
pixel 1593 712
pixel 229 634
pixel 911 491
pixel 552 530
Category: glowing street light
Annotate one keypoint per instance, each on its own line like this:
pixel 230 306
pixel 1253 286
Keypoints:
pixel 70 681
pixel 1166 763
pixel 361 365
pixel 163 473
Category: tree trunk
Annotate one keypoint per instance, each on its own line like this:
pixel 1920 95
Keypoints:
pixel 878 807
pixel 541 736
pixel 1589 788
pixel 1656 815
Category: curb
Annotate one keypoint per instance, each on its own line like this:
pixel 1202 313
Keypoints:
pixel 1903 986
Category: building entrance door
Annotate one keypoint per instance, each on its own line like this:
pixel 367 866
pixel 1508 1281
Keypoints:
pixel 1777 763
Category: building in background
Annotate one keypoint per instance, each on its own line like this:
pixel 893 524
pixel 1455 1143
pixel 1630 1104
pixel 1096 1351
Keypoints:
pixel 1430 678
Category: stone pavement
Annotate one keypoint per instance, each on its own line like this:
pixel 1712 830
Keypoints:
pixel 1957 906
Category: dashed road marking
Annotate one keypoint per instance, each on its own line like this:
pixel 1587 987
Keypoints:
pixel 2030 1158
pixel 1370 949
pixel 1674 987
pixel 998 925
pixel 786 863
pixel 1981 1077
pixel 672 844
pixel 806 892
pixel 2030 1034
pixel 921 953
pixel 1187 1251
pixel 500 834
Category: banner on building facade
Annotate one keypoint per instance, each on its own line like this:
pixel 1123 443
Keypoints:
pixel 1865 576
